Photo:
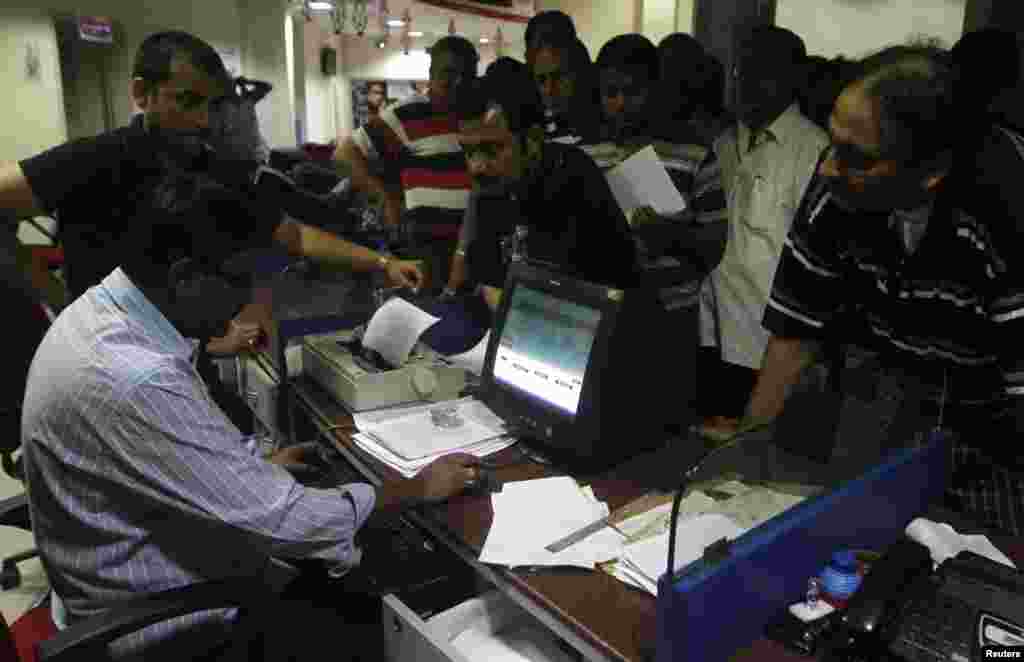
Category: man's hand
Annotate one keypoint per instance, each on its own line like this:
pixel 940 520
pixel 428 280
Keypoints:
pixel 719 428
pixel 643 216
pixel 240 336
pixel 447 476
pixel 492 296
pixel 391 211
pixel 405 273
pixel 298 458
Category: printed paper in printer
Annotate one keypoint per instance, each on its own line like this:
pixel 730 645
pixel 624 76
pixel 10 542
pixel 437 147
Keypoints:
pixel 395 328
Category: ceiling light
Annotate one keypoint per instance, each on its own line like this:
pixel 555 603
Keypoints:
pixel 380 43
pixel 484 40
pixel 395 23
pixel 321 6
pixel 415 34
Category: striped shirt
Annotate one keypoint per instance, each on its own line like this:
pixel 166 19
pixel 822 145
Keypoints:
pixel 432 165
pixel 951 297
pixel 138 482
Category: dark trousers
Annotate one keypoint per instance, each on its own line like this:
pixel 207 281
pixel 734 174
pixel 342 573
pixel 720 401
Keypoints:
pixel 723 389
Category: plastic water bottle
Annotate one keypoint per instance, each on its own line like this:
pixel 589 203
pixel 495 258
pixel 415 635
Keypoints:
pixel 813 592
pixel 518 252
pixel 841 577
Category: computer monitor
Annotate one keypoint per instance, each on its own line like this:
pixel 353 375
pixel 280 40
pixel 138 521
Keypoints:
pixel 591 374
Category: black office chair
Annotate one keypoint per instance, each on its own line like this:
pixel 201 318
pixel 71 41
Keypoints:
pixel 88 640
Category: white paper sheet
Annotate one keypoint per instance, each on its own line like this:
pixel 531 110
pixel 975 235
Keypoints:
pixel 409 468
pixel 641 180
pixel 655 521
pixel 394 329
pixel 756 506
pixel 528 515
pixel 943 541
pixel 473 360
pixel 649 557
pixel 417 436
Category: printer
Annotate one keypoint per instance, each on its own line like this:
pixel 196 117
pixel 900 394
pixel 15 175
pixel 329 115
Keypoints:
pixel 361 379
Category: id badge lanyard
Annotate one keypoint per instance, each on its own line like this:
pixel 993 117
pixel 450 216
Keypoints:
pixel 940 432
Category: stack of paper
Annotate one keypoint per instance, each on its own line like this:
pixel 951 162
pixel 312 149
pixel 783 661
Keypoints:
pixel 406 438
pixel 529 515
pixel 642 563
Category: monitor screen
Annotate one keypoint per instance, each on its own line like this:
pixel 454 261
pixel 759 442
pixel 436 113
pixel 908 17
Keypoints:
pixel 545 346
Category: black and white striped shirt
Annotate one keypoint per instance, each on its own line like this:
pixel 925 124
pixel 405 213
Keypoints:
pixel 955 301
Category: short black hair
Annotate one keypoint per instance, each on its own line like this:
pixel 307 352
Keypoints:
pixel 912 87
pixel 633 52
pixel 549 25
pixel 508 84
pixel 159 51
pixel 987 61
pixel 184 214
pixel 460 47
pixel 782 45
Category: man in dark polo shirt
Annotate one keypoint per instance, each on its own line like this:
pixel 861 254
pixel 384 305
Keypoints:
pixel 92 185
pixel 555 192
pixel 907 247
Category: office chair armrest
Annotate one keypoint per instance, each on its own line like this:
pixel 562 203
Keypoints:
pixel 14 512
pixel 94 634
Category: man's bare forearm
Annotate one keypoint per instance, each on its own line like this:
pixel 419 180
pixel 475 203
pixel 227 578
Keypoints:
pixel 362 180
pixel 17 201
pixel 326 248
pixel 784 360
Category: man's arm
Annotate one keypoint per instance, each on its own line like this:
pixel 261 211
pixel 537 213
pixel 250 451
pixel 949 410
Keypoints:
pixel 17 199
pixel 308 241
pixel 363 180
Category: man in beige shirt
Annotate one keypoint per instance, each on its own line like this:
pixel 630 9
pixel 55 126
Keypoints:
pixel 767 160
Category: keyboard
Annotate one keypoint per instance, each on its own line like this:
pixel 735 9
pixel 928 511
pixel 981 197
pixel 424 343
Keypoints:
pixel 936 627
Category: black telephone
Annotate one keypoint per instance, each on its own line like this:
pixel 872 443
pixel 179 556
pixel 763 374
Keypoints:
pixel 904 611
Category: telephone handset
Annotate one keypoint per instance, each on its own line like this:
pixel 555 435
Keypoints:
pixel 905 611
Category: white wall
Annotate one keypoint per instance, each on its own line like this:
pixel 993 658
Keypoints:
pixel 323 96
pixel 600 20
pixel 264 57
pixel 658 18
pixel 33 116
pixel 856 27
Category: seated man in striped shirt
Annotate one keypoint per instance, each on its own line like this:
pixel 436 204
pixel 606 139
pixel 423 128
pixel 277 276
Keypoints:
pixel 907 247
pixel 418 136
pixel 137 482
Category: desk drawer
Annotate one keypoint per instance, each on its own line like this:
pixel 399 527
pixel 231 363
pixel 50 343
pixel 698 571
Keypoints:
pixel 477 630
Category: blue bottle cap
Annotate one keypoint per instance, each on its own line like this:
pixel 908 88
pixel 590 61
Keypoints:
pixel 845 559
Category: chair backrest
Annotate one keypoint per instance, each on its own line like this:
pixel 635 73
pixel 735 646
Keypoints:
pixel 23 304
pixel 8 651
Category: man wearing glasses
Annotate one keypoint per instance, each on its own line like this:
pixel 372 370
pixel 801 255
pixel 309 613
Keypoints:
pixel 766 161
pixel 906 247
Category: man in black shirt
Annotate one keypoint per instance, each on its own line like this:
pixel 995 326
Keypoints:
pixel 92 185
pixel 556 192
